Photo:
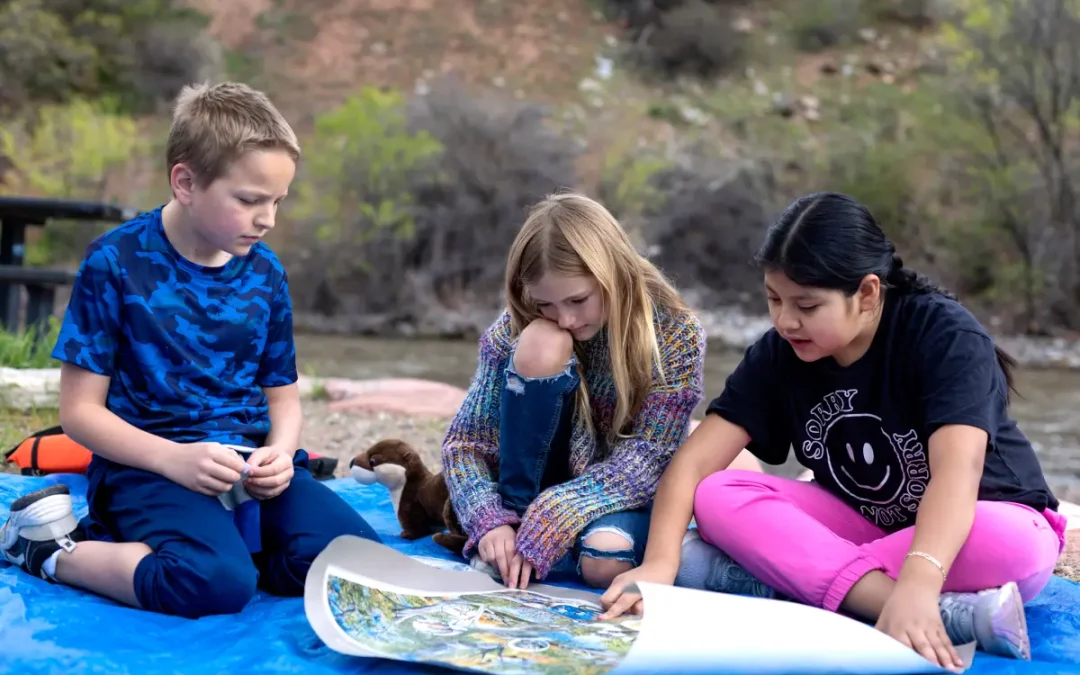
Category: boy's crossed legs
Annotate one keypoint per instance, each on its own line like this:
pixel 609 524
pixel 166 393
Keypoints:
pixel 175 551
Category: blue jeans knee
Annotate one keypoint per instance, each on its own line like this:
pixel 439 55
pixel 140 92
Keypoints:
pixel 535 422
pixel 631 525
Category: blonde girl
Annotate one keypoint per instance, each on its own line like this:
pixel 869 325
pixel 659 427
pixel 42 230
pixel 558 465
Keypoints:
pixel 585 388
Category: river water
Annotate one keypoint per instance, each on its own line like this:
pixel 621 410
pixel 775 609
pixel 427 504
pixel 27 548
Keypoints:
pixel 1048 409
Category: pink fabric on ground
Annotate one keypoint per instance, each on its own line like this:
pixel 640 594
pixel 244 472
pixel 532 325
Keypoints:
pixel 801 540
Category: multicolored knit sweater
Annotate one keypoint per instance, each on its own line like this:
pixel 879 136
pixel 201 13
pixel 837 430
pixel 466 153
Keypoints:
pixel 624 478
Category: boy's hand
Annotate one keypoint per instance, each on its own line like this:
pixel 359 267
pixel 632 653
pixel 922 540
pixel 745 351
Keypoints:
pixel 208 468
pixel 271 472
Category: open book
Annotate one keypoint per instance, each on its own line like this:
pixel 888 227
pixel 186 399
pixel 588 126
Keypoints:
pixel 365 599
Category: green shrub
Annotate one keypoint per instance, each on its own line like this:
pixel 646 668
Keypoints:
pixel 1012 75
pixel 627 186
pixel 408 208
pixel 137 51
pixel 29 348
pixel 66 151
pixel 357 170
pixel 915 13
pixel 695 38
pixel 355 186
pixel 820 24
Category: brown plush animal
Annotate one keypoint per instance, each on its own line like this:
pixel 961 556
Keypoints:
pixel 421 499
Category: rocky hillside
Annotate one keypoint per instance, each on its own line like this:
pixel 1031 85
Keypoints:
pixel 694 120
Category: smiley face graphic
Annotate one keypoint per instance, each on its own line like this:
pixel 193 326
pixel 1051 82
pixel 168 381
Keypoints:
pixel 864 461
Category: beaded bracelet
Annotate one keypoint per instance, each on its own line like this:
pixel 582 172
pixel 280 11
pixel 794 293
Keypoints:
pixel 932 559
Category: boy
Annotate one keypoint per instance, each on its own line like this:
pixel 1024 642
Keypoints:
pixel 177 344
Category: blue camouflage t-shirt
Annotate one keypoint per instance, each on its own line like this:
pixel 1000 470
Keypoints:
pixel 187 347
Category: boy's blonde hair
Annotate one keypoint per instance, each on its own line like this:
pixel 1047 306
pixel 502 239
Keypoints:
pixel 215 124
pixel 574 235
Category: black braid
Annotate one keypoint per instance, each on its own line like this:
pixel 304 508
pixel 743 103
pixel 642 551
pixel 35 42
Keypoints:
pixel 906 280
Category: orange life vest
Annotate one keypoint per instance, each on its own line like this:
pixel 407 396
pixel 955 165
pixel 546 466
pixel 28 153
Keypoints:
pixel 52 451
pixel 49 451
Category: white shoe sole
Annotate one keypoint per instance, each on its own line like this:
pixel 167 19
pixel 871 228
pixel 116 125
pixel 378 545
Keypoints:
pixel 47 519
pixel 1008 624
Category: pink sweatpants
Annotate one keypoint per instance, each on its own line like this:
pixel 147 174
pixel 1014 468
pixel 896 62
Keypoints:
pixel 804 542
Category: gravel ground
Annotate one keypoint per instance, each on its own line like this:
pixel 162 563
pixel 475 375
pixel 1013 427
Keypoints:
pixel 1069 564
pixel 345 434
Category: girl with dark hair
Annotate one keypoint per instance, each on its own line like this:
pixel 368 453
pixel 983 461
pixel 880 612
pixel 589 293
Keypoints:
pixel 928 514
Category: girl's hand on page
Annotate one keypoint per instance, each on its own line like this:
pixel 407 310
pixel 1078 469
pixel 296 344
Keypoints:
pixel 498 547
pixel 617 600
pixel 520 571
pixel 912 616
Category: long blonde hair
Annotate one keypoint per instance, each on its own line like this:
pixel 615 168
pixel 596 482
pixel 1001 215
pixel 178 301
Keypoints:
pixel 573 235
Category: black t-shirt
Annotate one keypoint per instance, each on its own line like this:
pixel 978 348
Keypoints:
pixel 864 430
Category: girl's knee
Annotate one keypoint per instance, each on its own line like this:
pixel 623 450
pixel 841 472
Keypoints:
pixel 1009 542
pixel 543 350
pixel 725 489
pixel 605 555
pixel 1031 541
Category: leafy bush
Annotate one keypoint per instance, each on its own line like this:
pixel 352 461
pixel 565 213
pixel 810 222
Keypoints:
pixel 417 217
pixel 693 37
pixel 711 221
pixel 30 348
pixel 138 51
pixel 915 13
pixel 66 151
pixel 820 24
pixel 500 157
pixel 39 58
pixel 880 151
pixel 1013 96
pixel 627 186
pixel 355 186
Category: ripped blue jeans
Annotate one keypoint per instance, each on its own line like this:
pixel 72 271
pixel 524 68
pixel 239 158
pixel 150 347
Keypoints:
pixel 535 423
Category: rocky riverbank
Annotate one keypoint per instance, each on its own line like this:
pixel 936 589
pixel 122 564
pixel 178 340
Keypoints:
pixel 728 328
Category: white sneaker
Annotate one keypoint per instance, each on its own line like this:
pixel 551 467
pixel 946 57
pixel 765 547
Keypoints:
pixel 993 618
pixel 41 523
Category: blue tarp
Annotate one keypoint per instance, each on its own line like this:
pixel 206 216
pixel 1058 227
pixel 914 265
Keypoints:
pixel 48 628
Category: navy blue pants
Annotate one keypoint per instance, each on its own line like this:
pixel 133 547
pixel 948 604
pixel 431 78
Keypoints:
pixel 200 564
pixel 535 426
